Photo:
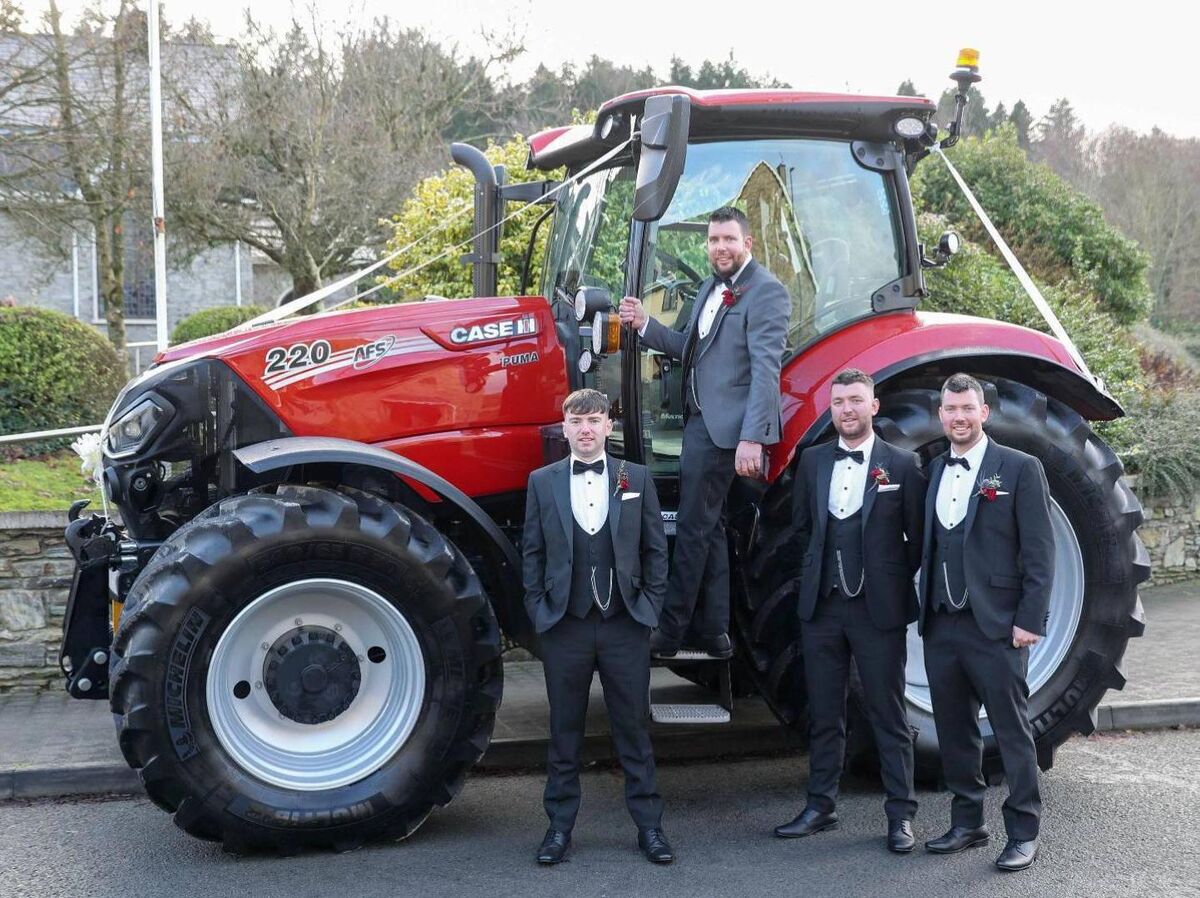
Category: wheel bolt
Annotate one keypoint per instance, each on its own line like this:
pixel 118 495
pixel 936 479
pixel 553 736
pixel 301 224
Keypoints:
pixel 266 646
pixel 299 622
pixel 258 684
pixel 337 628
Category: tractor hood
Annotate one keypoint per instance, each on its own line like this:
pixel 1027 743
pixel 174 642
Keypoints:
pixel 387 373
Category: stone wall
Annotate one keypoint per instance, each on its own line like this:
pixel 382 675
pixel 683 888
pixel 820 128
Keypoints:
pixel 36 569
pixel 35 578
pixel 1171 534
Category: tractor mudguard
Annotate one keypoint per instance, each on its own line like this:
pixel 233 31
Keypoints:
pixel 290 451
pixel 287 452
pixel 903 345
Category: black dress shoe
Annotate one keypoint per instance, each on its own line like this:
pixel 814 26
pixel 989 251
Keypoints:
pixel 809 822
pixel 958 838
pixel 900 836
pixel 655 846
pixel 1017 855
pixel 554 847
pixel 718 646
pixel 663 646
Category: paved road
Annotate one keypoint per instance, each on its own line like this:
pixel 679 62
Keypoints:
pixel 1122 817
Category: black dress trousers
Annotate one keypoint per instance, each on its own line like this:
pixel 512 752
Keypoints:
pixel 701 560
pixel 572 650
pixel 967 669
pixel 841 628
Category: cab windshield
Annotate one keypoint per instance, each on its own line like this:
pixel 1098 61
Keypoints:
pixel 821 223
pixel 826 227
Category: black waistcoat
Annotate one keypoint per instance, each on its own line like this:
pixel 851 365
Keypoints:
pixel 593 552
pixel 948 562
pixel 843 536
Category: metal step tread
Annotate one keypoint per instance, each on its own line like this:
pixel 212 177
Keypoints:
pixel 669 713
pixel 694 655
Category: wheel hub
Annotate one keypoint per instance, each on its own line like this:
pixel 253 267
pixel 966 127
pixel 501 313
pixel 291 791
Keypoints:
pixel 311 675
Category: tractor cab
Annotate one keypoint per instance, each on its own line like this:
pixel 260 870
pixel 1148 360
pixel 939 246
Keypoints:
pixel 822 178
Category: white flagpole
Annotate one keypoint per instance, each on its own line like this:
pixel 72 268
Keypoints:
pixel 156 172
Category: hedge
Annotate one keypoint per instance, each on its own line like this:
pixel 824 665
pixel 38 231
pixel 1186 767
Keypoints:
pixel 55 371
pixel 213 321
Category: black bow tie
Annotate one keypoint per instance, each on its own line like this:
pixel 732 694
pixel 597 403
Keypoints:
pixel 854 455
pixel 959 460
pixel 596 467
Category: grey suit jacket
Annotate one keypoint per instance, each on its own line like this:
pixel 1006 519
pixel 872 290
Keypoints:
pixel 639 543
pixel 737 369
pixel 1008 548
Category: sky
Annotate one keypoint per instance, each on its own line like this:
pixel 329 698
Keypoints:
pixel 1133 68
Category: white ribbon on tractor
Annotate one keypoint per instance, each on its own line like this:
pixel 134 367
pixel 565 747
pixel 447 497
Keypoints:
pixel 316 296
pixel 1026 281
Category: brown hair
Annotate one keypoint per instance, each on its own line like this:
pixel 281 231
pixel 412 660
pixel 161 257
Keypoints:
pixel 729 213
pixel 585 402
pixel 848 376
pixel 960 383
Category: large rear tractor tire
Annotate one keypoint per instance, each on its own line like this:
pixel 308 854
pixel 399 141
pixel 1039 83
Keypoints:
pixel 305 668
pixel 1094 608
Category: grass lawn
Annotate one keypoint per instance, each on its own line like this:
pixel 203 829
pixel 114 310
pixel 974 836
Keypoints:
pixel 50 483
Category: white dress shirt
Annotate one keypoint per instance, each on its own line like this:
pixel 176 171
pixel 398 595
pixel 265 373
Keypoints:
pixel 716 296
pixel 589 497
pixel 712 305
pixel 958 485
pixel 848 481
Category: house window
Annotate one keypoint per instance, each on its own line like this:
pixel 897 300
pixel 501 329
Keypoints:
pixel 139 267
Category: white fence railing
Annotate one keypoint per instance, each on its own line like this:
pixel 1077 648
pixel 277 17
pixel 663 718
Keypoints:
pixel 48 434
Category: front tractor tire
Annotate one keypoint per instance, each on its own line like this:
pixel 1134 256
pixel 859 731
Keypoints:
pixel 305 668
pixel 1094 606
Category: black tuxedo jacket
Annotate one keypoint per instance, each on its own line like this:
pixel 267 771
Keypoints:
pixel 1008 550
pixel 639 543
pixel 892 524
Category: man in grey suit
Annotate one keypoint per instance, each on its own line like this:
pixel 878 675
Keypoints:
pixel 595 572
pixel 731 353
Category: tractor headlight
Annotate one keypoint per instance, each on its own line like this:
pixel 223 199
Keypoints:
pixel 910 128
pixel 134 428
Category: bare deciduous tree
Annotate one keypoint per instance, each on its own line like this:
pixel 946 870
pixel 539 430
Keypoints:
pixel 75 156
pixel 302 144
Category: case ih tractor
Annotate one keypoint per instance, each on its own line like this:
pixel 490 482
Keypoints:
pixel 298 619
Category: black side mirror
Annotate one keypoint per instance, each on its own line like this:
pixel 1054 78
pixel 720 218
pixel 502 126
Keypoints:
pixel 664 134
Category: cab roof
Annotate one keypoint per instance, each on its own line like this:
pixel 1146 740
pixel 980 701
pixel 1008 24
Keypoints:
pixel 740 114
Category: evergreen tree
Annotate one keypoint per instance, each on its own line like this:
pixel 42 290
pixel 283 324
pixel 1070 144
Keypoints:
pixel 1022 120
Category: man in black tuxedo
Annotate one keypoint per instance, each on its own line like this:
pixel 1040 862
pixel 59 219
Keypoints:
pixel 858 506
pixel 595 572
pixel 986 574
pixel 731 351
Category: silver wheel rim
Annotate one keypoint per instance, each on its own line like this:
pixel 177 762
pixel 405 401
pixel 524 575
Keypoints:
pixel 359 740
pixel 1066 608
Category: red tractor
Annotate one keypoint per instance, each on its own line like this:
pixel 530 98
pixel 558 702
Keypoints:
pixel 298 618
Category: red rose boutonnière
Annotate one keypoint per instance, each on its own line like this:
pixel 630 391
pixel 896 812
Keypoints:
pixel 880 476
pixel 990 488
pixel 731 295
pixel 622 478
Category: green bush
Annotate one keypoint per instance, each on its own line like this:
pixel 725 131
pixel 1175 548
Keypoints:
pixel 1057 233
pixel 1163 451
pixel 977 283
pixel 55 371
pixel 213 321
